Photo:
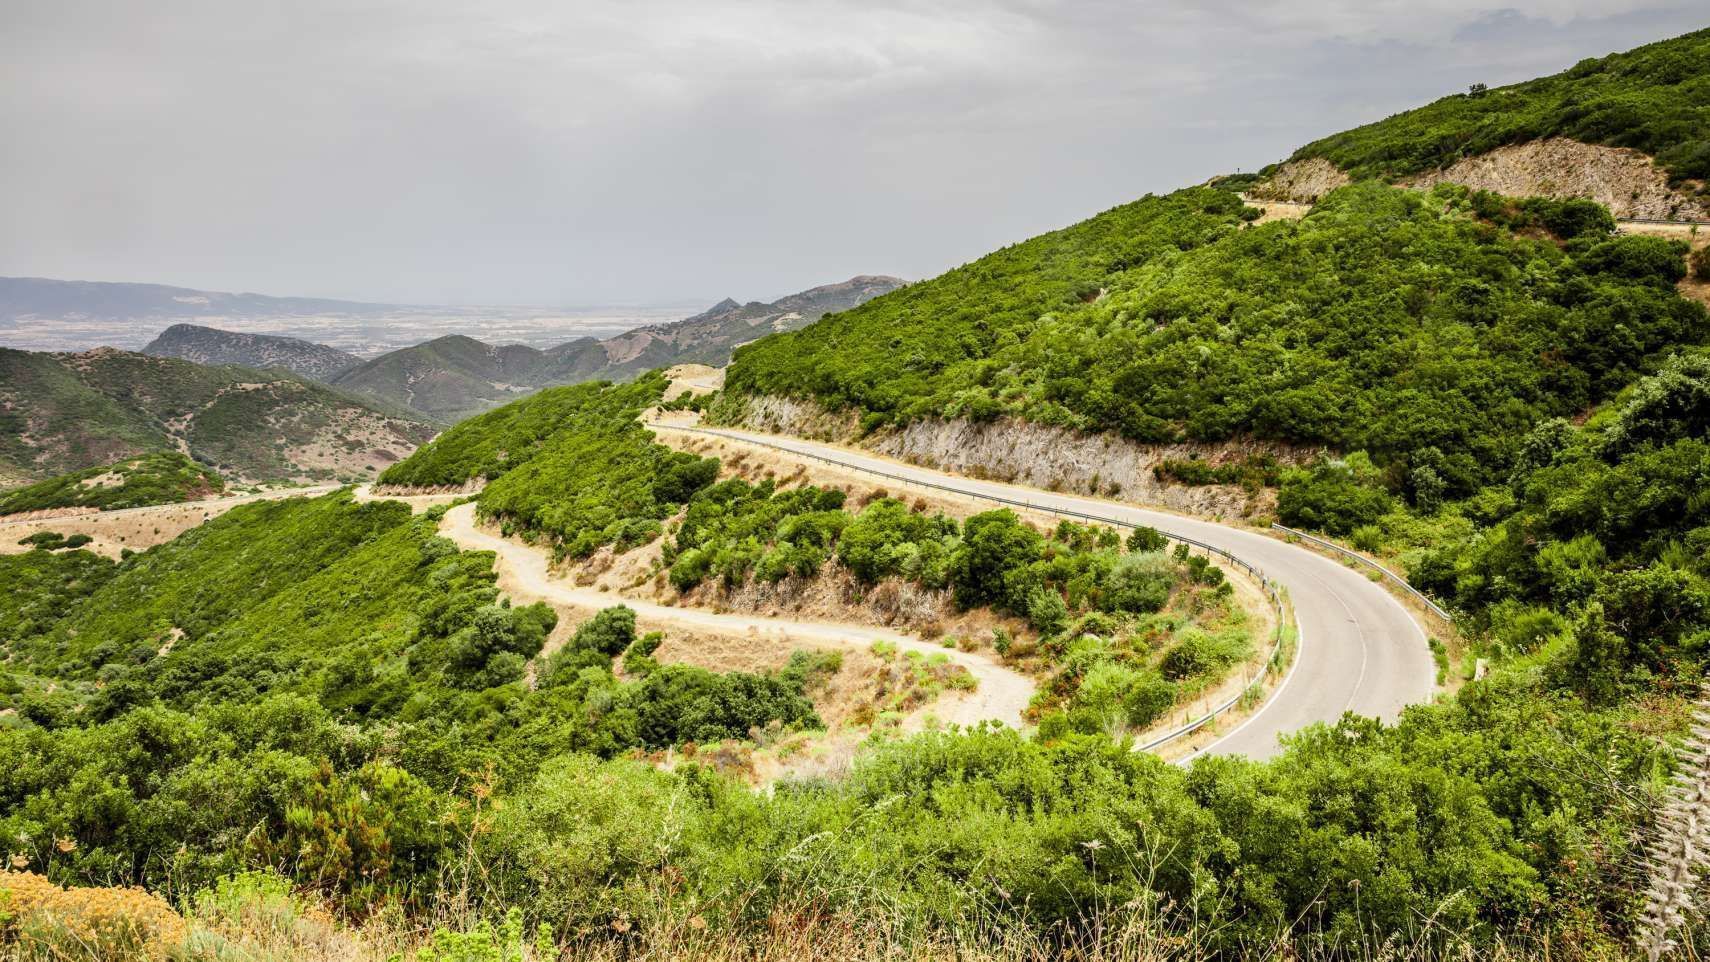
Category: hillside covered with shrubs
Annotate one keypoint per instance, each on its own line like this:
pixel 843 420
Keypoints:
pixel 312 716
pixel 1654 99
pixel 1414 328
pixel 165 477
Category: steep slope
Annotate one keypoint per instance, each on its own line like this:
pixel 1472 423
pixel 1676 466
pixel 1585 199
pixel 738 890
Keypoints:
pixel 65 412
pixel 1401 324
pixel 163 477
pixel 207 345
pixel 453 377
pixel 1592 131
pixel 448 378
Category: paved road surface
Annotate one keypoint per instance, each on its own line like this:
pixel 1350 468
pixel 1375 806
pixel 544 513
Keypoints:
pixel 1360 650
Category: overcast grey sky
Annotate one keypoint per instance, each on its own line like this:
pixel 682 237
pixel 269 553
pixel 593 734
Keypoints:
pixel 632 151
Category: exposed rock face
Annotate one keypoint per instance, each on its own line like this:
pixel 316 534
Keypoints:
pixel 1062 459
pixel 1624 180
pixel 1301 181
pixel 1040 456
pixel 802 418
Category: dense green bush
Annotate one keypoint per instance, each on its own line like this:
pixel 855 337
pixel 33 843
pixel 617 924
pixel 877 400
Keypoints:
pixel 1332 496
pixel 488 445
pixel 887 539
pixel 1385 321
pixel 1655 99
pixel 1141 582
pixel 161 478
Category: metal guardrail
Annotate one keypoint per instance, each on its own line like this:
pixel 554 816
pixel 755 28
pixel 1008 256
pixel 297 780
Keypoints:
pixel 1399 581
pixel 1662 221
pixel 1270 588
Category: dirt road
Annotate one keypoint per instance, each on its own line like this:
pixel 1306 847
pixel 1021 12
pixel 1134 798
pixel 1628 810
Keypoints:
pixel 1002 694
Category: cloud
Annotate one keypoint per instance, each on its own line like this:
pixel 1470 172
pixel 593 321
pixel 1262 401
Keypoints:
pixel 648 150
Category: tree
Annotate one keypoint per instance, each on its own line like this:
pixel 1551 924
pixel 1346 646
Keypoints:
pixel 1147 539
pixel 995 545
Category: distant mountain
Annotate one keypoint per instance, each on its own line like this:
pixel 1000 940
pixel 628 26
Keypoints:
pixel 453 377
pixel 208 345
pixel 65 412
pixel 24 297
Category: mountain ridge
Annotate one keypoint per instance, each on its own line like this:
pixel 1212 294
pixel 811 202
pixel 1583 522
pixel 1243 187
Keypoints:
pixel 69 411
pixel 212 345
pixel 454 376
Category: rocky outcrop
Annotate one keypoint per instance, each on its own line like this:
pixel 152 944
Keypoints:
pixel 1624 180
pixel 1036 455
pixel 1301 181
pixel 1062 459
pixel 785 415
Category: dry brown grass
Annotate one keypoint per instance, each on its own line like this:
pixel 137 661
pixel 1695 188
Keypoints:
pixel 269 923
pixel 44 921
pixel 258 918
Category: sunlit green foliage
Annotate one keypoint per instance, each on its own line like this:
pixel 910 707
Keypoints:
pixel 1655 99
pixel 1385 321
pixel 488 445
pixel 569 465
pixel 1598 543
pixel 162 478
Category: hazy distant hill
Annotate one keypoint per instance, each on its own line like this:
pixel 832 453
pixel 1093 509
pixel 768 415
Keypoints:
pixel 22 297
pixel 208 345
pixel 452 377
pixel 64 412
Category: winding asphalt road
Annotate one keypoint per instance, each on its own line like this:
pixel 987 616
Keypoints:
pixel 1360 651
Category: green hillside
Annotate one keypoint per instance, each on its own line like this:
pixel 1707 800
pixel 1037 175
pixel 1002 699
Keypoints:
pixel 1655 99
pixel 161 478
pixel 1384 321
pixel 314 714
pixel 68 412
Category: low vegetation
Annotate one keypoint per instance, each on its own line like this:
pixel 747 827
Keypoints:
pixel 1091 600
pixel 1655 99
pixel 61 413
pixel 165 477
pixel 1410 327
pixel 315 720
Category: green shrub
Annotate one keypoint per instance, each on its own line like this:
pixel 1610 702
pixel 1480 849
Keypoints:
pixel 1046 611
pixel 1329 497
pixel 996 546
pixel 1141 582
pixel 1199 653
pixel 1145 539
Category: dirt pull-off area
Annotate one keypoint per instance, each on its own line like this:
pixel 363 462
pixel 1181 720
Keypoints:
pixel 692 379
pixel 1624 180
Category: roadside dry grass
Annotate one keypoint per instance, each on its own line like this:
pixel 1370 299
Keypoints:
pixel 258 918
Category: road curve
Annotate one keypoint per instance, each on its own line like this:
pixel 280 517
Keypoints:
pixel 1359 650
pixel 1001 695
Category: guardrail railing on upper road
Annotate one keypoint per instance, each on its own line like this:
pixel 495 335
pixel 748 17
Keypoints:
pixel 1398 580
